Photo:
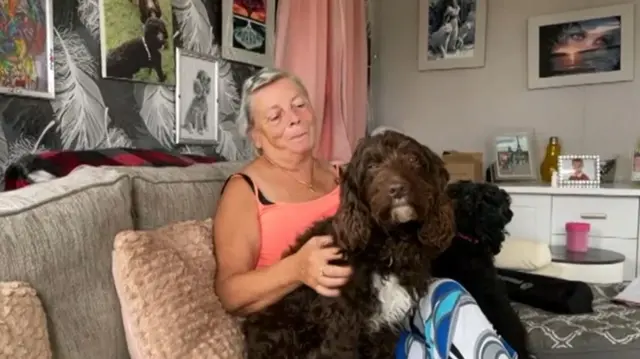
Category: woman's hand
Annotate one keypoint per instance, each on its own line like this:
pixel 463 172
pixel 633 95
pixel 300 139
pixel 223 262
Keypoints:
pixel 314 268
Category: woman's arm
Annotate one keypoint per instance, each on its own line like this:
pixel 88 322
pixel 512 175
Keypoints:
pixel 242 289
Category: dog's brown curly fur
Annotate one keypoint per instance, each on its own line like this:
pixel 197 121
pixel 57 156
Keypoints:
pixel 375 241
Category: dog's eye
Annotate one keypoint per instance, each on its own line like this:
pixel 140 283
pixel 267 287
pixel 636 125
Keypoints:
pixel 413 159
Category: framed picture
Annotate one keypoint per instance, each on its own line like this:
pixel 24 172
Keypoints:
pixel 581 47
pixel 196 99
pixel 514 157
pixel 635 166
pixel 451 34
pixel 136 40
pixel 579 171
pixel 27 67
pixel 248 31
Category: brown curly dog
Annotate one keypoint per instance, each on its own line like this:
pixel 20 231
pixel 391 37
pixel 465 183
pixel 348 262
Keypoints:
pixel 394 218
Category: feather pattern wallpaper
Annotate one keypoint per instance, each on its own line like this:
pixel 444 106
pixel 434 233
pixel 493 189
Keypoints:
pixel 90 112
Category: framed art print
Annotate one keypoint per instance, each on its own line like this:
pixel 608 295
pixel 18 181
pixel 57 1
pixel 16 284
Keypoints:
pixel 248 31
pixel 196 99
pixel 451 34
pixel 578 171
pixel 589 46
pixel 26 36
pixel 136 41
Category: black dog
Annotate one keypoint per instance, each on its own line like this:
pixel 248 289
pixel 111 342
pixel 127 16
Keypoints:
pixel 482 211
pixel 127 59
pixel 394 218
pixel 148 9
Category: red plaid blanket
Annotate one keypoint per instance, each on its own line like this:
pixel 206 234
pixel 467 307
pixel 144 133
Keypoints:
pixel 61 163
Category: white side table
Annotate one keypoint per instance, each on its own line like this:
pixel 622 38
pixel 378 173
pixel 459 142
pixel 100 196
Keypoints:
pixel 594 266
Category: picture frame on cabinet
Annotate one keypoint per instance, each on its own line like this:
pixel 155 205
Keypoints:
pixel 635 167
pixel 515 156
pixel 581 171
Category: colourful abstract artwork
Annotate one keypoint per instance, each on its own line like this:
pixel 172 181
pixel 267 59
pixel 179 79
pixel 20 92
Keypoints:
pixel 26 49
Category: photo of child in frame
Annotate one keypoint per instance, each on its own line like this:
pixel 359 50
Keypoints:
pixel 577 164
pixel 578 169
pixel 635 169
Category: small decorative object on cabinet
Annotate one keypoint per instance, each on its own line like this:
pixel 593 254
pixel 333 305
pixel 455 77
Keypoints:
pixel 451 34
pixel 550 162
pixel 579 171
pixel 514 154
pixel 635 164
pixel 581 47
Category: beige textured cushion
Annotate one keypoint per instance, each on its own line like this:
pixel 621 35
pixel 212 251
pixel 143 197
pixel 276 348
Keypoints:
pixel 522 254
pixel 23 326
pixel 58 236
pixel 172 194
pixel 164 278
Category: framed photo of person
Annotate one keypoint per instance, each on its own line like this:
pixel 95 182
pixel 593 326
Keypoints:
pixel 635 166
pixel 514 155
pixel 579 171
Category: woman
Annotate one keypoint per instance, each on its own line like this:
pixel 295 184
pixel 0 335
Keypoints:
pixel 281 193
pixel 275 198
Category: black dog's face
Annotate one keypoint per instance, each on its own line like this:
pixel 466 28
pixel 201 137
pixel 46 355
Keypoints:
pixel 155 33
pixel 482 211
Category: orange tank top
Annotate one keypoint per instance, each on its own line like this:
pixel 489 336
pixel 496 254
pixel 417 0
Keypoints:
pixel 281 223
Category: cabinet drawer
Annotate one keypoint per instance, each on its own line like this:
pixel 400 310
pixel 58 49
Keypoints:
pixel 609 216
pixel 531 217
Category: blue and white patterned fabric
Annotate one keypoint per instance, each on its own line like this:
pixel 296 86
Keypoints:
pixel 450 325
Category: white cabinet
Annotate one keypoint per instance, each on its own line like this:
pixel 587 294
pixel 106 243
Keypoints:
pixel 531 217
pixel 540 214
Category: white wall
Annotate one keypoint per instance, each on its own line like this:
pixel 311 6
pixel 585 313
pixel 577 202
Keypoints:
pixel 461 109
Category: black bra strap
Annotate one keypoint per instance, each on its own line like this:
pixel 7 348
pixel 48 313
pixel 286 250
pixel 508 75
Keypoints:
pixel 249 181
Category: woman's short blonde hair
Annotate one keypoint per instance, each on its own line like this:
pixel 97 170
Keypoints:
pixel 261 79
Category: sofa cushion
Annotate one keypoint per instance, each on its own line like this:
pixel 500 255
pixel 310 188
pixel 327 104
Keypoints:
pixel 523 254
pixel 58 237
pixel 172 194
pixel 164 279
pixel 23 326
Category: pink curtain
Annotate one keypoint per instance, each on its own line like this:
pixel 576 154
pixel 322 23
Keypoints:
pixel 324 42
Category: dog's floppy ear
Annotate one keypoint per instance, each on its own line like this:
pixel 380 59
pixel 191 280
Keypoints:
pixel 437 231
pixel 352 224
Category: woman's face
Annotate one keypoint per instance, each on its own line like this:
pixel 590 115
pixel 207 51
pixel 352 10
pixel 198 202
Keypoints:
pixel 283 118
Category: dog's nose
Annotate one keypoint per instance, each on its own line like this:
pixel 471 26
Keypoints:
pixel 396 190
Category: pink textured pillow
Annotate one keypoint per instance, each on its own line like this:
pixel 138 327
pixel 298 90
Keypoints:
pixel 23 324
pixel 164 279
